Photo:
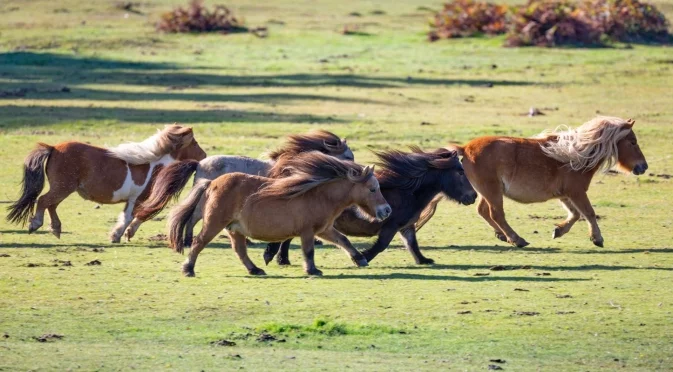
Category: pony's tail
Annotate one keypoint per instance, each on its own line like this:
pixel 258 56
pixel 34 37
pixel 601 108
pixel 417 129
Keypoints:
pixel 428 212
pixel 181 214
pixel 168 185
pixel 31 185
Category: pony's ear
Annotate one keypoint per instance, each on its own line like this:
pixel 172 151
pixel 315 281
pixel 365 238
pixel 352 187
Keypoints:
pixel 630 123
pixel 344 141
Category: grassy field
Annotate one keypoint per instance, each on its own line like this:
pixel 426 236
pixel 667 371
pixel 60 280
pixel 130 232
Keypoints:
pixel 87 71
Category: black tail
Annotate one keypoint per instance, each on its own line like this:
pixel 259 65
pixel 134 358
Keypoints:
pixel 31 185
pixel 168 185
pixel 181 214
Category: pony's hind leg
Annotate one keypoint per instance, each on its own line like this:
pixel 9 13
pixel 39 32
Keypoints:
pixel 189 228
pixel 332 235
pixel 408 236
pixel 484 212
pixel 308 249
pixel 239 244
pixel 49 201
pixel 573 215
pixel 583 205
pixel 133 227
pixel 283 257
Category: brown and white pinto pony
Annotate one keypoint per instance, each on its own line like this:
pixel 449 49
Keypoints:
pixel 305 204
pixel 553 165
pixel 106 176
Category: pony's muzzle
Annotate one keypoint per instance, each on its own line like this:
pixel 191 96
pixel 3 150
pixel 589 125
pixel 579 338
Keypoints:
pixel 468 199
pixel 383 212
pixel 640 169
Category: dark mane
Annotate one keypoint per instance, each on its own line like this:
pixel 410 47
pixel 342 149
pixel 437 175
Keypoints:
pixel 308 170
pixel 406 170
pixel 315 140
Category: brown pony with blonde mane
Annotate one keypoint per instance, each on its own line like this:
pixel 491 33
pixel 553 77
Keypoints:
pixel 553 165
pixel 106 176
pixel 304 204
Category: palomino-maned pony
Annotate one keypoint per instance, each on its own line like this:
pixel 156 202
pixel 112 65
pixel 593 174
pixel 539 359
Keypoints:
pixel 409 181
pixel 553 165
pixel 106 176
pixel 303 204
pixel 175 177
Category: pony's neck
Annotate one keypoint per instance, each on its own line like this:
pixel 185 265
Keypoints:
pixel 428 189
pixel 338 193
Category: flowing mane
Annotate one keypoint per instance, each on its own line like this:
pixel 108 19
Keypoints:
pixel 406 170
pixel 593 144
pixel 172 137
pixel 309 170
pixel 315 140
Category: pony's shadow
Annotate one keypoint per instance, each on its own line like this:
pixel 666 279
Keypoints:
pixel 38 232
pixel 507 268
pixel 413 276
pixel 42 245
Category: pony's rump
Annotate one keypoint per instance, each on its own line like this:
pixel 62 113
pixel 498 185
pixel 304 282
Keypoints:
pixel 168 185
pixel 31 184
pixel 180 215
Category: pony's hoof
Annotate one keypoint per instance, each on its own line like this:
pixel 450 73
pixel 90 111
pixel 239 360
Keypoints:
pixel 501 237
pixel 557 233
pixel 317 242
pixel 283 261
pixel 189 274
pixel 361 262
pixel 267 258
pixel 521 243
pixel 256 271
pixel 314 272
pixel 56 232
pixel 597 242
pixel 425 261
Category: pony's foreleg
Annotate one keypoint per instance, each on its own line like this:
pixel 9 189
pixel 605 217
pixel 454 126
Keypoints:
pixel 386 235
pixel 573 215
pixel 241 249
pixel 308 249
pixel 272 249
pixel 133 227
pixel 123 221
pixel 497 214
pixel 408 236
pixel 583 205
pixel 332 235
pixel 484 212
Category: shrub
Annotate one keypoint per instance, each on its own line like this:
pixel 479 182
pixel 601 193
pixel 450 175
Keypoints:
pixel 198 18
pixel 553 22
pixel 462 18
pixel 633 21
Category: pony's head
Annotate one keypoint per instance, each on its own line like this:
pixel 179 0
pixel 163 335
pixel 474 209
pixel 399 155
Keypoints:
pixel 600 143
pixel 412 170
pixel 184 144
pixel 629 156
pixel 308 170
pixel 367 195
pixel 326 142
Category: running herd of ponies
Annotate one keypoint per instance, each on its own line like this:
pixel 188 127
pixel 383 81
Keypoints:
pixel 312 187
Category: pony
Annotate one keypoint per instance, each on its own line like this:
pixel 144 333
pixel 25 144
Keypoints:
pixel 409 181
pixel 105 176
pixel 175 176
pixel 556 164
pixel 303 204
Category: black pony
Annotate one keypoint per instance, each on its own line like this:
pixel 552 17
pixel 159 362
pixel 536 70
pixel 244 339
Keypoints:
pixel 409 182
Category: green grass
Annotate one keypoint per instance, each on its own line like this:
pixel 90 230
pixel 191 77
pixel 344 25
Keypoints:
pixel 391 89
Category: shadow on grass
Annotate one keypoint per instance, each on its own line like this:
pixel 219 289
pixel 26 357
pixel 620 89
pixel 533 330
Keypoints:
pixel 412 276
pixel 43 246
pixel 14 117
pixel 516 268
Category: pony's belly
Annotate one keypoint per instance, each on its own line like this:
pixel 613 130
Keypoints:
pixel 527 193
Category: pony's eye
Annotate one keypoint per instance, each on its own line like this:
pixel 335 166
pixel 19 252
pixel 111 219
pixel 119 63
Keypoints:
pixel 372 190
pixel 461 172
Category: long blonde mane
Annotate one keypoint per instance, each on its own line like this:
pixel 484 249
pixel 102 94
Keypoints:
pixel 152 149
pixel 591 145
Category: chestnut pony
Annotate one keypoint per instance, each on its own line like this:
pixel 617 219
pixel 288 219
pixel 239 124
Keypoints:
pixel 174 177
pixel 553 165
pixel 305 204
pixel 106 176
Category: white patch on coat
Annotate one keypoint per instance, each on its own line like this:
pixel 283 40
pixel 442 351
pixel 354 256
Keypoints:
pixel 129 189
